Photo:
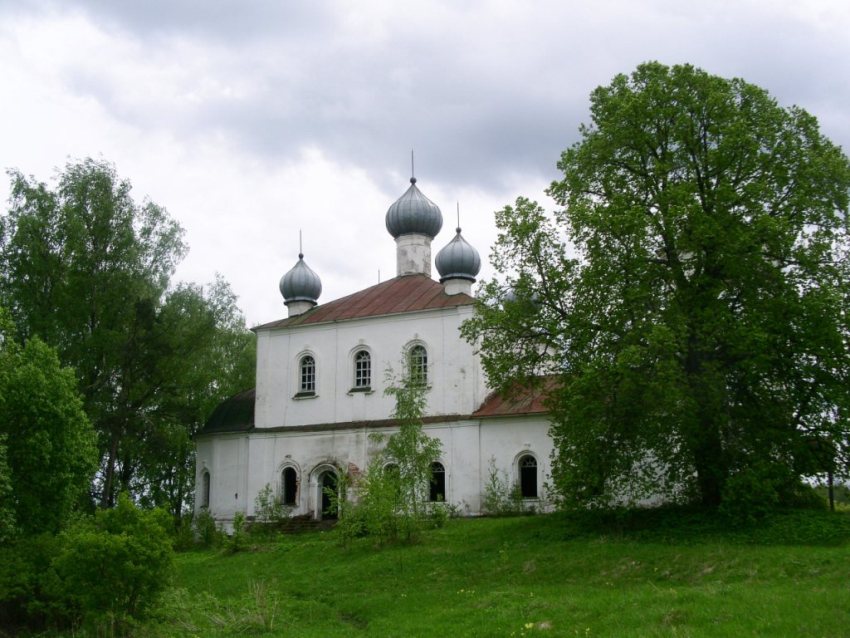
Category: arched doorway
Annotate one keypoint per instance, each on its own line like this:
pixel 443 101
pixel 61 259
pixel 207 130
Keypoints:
pixel 289 486
pixel 528 476
pixel 328 484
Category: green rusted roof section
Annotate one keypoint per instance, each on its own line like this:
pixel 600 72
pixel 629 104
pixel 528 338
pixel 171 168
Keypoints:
pixel 235 414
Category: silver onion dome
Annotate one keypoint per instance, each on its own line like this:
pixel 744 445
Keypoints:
pixel 414 214
pixel 458 260
pixel 300 283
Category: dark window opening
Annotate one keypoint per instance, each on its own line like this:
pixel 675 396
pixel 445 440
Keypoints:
pixel 391 469
pixel 289 489
pixel 438 483
pixel 528 476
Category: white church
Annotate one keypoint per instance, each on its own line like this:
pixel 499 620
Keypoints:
pixel 321 379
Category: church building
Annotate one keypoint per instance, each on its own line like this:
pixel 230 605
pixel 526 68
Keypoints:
pixel 321 376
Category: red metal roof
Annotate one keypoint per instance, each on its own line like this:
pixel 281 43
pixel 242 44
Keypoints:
pixel 401 294
pixel 526 400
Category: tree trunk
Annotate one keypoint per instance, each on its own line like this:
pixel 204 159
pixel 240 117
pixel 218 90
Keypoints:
pixel 708 460
pixel 707 446
pixel 106 499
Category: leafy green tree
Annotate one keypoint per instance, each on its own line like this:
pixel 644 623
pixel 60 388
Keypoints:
pixel 688 301
pixel 47 443
pixel 87 269
pixel 200 353
pixel 392 492
pixel 410 451
pixel 8 526
pixel 83 267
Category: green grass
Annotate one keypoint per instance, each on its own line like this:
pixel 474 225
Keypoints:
pixel 654 574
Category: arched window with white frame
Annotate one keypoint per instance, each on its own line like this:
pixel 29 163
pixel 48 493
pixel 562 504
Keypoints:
pixel 418 364
pixel 362 370
pixel 307 375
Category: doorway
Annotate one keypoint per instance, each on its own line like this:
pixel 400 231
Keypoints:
pixel 328 484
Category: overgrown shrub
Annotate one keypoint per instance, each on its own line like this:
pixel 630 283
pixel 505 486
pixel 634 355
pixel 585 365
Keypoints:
pixel 756 491
pixel 103 572
pixel 439 514
pixel 29 592
pixel 113 567
pixel 236 540
pixel 183 534
pixel 267 506
pixel 269 512
pixel 206 530
pixel 748 496
pixel 500 497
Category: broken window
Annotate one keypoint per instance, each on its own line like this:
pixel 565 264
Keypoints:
pixel 438 483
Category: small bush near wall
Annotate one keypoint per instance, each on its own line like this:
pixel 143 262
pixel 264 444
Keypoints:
pixel 236 540
pixel 269 512
pixel 500 497
pixel 206 530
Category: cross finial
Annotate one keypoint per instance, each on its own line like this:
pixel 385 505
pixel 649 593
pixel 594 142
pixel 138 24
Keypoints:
pixel 300 246
pixel 458 217
pixel 412 171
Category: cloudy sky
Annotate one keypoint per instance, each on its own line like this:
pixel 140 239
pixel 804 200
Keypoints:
pixel 249 120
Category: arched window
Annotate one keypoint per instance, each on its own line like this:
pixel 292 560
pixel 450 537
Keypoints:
pixel 362 370
pixel 205 490
pixel 419 364
pixel 289 486
pixel 438 483
pixel 528 476
pixel 391 469
pixel 307 368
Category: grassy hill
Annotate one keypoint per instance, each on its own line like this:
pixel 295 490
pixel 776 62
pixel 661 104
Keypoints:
pixel 652 574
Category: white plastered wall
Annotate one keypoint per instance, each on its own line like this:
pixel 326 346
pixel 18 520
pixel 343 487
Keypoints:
pixel 456 382
pixel 467 447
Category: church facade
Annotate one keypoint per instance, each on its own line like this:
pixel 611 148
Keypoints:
pixel 321 376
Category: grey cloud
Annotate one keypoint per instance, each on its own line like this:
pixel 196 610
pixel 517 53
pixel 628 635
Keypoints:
pixel 222 20
pixel 479 101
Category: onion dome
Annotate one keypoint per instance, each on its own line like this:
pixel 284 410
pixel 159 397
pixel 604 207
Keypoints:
pixel 512 296
pixel 414 214
pixel 458 260
pixel 300 284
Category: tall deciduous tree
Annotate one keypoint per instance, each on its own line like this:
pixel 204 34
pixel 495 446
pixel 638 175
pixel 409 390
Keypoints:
pixel 47 443
pixel 691 297
pixel 200 353
pixel 87 269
